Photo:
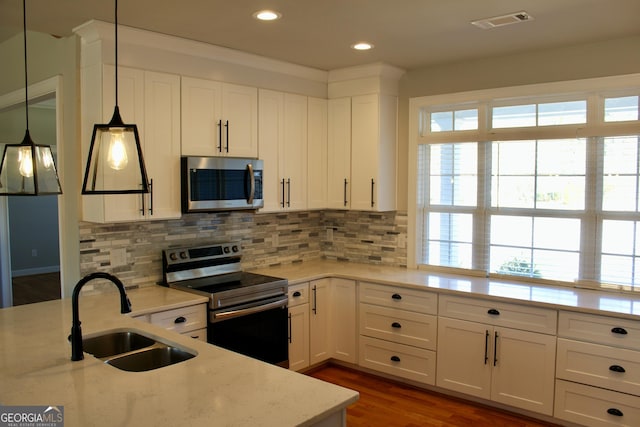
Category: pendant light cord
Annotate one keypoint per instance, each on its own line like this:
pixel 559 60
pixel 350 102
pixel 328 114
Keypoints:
pixel 116 32
pixel 26 84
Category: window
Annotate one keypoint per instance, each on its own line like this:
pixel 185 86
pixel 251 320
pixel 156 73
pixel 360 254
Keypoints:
pixel 544 187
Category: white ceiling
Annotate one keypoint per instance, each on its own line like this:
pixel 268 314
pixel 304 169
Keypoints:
pixel 318 33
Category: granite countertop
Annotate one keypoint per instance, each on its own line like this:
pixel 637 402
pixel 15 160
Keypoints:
pixel 217 387
pixel 624 305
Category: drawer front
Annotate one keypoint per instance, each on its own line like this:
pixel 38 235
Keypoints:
pixel 396 359
pixel 599 329
pixel 602 366
pixel 397 297
pixel 515 316
pixel 595 407
pixel 298 294
pixel 404 327
pixel 183 319
pixel 198 334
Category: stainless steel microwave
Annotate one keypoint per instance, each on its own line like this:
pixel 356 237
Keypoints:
pixel 221 183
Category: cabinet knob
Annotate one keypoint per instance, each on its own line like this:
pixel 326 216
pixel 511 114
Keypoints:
pixel 621 331
pixel 396 297
pixel 296 294
pixel 615 411
pixel 395 359
pixel 616 368
pixel 396 325
pixel 180 319
pixel 493 311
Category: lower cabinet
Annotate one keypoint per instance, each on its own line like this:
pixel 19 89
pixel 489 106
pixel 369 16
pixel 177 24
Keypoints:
pixel 191 320
pixel 299 326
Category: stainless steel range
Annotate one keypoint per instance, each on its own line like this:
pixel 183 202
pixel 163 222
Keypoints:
pixel 248 312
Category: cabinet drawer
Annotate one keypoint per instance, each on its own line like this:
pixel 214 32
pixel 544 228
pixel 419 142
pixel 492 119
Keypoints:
pixel 515 316
pixel 600 329
pixel 400 360
pixel 602 366
pixel 595 407
pixel 182 319
pixel 405 327
pixel 198 334
pixel 396 297
pixel 298 294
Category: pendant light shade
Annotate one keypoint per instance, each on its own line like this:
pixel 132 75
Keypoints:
pixel 115 164
pixel 28 169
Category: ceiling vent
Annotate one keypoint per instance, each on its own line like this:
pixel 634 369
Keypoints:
pixel 501 21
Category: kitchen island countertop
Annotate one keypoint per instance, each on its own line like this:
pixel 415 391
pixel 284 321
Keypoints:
pixel 217 387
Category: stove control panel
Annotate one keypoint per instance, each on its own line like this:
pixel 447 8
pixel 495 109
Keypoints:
pixel 219 251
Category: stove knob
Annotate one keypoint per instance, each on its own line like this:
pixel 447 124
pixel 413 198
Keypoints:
pixel 173 256
pixel 183 255
pixel 234 248
pixel 226 249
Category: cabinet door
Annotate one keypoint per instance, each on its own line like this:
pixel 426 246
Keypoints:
pixel 364 148
pixel 524 369
pixel 271 130
pixel 201 115
pixel 343 320
pixel 299 337
pixel 339 154
pixel 293 152
pixel 319 321
pixel 162 145
pixel 240 120
pixel 464 357
pixel 317 153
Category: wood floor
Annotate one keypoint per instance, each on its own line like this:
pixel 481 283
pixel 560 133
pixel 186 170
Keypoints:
pixel 391 404
pixel 36 288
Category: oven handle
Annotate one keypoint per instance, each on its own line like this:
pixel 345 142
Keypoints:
pixel 230 314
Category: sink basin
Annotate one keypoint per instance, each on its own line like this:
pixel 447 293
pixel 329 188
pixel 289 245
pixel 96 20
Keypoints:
pixel 152 358
pixel 114 343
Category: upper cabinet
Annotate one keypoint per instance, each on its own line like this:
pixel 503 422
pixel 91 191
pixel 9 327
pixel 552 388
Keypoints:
pixel 339 154
pixel 317 133
pixel 219 119
pixel 151 100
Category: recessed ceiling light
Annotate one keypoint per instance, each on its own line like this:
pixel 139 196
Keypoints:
pixel 267 15
pixel 362 46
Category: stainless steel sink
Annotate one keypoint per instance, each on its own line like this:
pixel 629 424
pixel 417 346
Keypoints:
pixel 114 343
pixel 131 351
pixel 153 358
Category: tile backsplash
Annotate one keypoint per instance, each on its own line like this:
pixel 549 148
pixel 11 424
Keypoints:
pixel 133 251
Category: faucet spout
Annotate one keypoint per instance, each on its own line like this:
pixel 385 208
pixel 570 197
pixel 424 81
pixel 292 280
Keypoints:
pixel 76 331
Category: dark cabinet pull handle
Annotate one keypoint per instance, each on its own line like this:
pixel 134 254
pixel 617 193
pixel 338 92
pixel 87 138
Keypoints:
pixel 621 331
pixel 195 337
pixel 296 294
pixel 151 197
pixel 616 368
pixel 290 328
pixel 220 135
pixel 396 297
pixel 614 411
pixel 486 346
pixel 288 192
pixel 282 203
pixel 345 191
pixel 180 319
pixel 372 185
pixel 226 125
pixel 143 211
pixel 396 325
pixel 495 349
pixel 494 312
pixel 395 359
pixel 315 297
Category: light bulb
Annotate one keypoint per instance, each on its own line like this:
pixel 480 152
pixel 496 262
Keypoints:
pixel 117 155
pixel 25 162
pixel 47 159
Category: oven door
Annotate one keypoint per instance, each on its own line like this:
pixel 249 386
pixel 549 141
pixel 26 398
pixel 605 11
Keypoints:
pixel 258 330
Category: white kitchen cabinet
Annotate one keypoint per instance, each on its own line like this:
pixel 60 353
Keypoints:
pixel 151 100
pixel 598 370
pixel 333 320
pixel 339 153
pixel 219 119
pixel 507 365
pixel 373 152
pixel 283 148
pixel 316 153
pixel 190 320
pixel 299 326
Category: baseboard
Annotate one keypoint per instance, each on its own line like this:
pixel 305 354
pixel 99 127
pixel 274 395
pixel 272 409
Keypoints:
pixel 33 271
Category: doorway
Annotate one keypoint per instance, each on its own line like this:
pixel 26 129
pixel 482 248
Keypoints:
pixel 29 226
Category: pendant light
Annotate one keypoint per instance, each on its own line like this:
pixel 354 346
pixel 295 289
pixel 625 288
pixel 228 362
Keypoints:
pixel 28 169
pixel 115 164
